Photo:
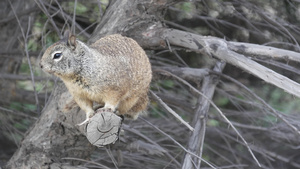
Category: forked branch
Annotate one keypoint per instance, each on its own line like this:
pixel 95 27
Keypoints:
pixel 227 51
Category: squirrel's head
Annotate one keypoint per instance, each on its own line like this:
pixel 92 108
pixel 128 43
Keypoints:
pixel 61 58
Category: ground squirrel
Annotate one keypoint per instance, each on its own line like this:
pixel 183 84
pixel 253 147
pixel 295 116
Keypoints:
pixel 114 72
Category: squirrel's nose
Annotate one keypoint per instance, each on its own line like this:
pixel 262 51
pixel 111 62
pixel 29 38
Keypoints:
pixel 41 65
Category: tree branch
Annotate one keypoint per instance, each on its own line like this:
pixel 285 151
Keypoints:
pixel 219 48
pixel 171 111
pixel 196 140
pixel 49 139
pixel 266 51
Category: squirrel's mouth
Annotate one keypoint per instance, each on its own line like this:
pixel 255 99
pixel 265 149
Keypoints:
pixel 50 71
pixel 47 70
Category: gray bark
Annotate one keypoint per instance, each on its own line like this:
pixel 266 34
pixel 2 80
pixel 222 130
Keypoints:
pixel 53 136
pixel 196 140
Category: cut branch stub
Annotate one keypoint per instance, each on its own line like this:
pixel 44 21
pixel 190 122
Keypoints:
pixel 103 128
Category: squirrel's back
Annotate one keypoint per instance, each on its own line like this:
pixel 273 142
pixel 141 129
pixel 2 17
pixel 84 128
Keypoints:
pixel 124 61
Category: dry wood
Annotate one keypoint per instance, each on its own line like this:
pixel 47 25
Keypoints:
pixel 223 116
pixel 250 49
pixel 272 110
pixel 191 153
pixel 219 48
pixel 171 111
pixel 103 128
pixel 49 139
pixel 196 140
pixel 191 74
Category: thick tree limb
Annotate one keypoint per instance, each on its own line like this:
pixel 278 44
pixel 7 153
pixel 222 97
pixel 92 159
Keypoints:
pixel 219 49
pixel 196 140
pixel 132 18
pixel 250 49
pixel 50 138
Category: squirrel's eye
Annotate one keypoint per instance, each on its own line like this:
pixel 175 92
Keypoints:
pixel 57 55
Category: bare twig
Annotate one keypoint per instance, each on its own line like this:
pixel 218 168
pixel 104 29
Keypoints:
pixel 171 111
pixel 181 146
pixel 193 74
pixel 74 17
pixel 275 112
pixel 17 113
pixel 220 112
pixel 25 37
pixel 108 151
pixel 126 127
pixel 22 77
pixel 67 18
pixel 83 160
pixel 277 25
pixel 43 8
pixel 6 19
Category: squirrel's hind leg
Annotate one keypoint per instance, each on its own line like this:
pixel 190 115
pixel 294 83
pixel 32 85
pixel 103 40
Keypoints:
pixel 138 108
pixel 110 107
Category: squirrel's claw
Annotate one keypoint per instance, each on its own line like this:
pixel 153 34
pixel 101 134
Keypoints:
pixel 88 116
pixel 85 121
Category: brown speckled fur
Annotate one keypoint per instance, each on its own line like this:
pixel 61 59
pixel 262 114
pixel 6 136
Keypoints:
pixel 114 71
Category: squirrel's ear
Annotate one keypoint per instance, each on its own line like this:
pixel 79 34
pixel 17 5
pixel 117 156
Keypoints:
pixel 72 41
pixel 66 36
pixel 69 39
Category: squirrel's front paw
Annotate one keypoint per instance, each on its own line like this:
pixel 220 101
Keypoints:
pixel 88 116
